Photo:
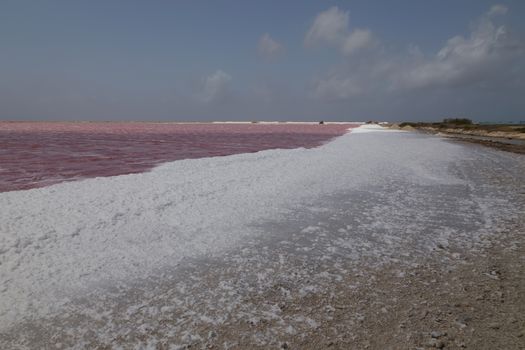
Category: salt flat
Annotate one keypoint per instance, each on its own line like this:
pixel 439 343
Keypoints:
pixel 172 256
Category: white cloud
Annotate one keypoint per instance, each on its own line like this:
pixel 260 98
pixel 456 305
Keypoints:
pixel 357 40
pixel 487 57
pixel 331 27
pixel 484 55
pixel 215 86
pixel 498 10
pixel 268 47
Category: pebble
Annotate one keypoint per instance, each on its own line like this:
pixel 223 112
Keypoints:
pixel 494 325
pixel 437 334
pixel 440 344
pixel 463 319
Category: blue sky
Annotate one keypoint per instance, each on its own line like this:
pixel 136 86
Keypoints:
pixel 262 60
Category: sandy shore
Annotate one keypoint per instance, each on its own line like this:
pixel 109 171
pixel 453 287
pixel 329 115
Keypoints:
pixel 507 139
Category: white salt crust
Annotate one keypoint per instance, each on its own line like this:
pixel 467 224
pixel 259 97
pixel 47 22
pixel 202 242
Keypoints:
pixel 69 238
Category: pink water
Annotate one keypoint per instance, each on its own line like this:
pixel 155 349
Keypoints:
pixel 37 154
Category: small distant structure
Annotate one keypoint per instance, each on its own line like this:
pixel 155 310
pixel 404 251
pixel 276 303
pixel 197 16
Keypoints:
pixel 321 122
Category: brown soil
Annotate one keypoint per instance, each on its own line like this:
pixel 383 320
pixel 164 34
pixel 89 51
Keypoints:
pixel 520 149
pixel 476 302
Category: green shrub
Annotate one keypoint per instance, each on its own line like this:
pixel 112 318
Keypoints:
pixel 457 121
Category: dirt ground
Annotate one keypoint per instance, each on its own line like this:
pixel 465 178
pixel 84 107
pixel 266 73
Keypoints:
pixel 476 303
pixel 496 138
pixel 520 149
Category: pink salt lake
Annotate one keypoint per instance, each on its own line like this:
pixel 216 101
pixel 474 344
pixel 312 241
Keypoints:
pixel 37 154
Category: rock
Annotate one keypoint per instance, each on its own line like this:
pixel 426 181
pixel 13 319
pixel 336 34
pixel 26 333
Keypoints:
pixel 435 343
pixel 440 344
pixel 437 334
pixel 463 319
pixel 494 325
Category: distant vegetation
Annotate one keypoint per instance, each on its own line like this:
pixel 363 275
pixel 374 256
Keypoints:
pixel 464 124
pixel 447 122
pixel 457 121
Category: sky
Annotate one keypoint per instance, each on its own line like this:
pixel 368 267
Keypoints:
pixel 262 60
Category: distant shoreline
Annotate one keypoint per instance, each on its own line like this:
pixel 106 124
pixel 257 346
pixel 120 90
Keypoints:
pixel 183 122
pixel 510 138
